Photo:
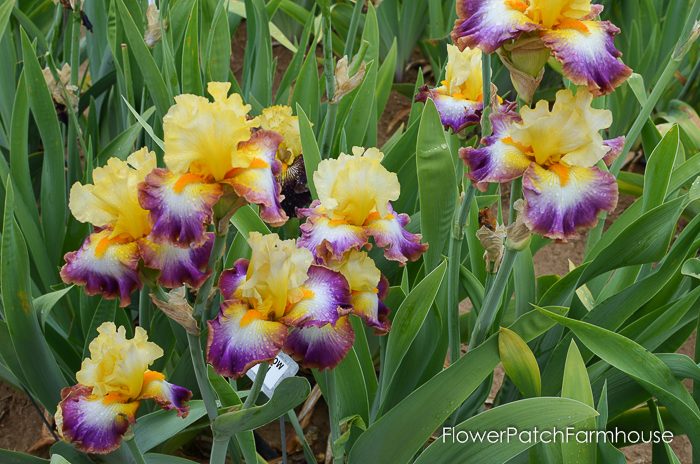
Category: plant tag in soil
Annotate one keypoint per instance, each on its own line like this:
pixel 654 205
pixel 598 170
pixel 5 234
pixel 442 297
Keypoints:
pixel 280 368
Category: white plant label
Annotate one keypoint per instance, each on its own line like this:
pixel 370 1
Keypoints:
pixel 280 368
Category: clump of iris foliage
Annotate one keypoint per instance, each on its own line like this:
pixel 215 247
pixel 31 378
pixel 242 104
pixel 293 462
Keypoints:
pixel 191 188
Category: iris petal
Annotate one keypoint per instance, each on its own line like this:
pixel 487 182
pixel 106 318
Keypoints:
pixel 177 265
pixel 370 307
pixel 487 24
pixel 588 55
pixel 254 175
pixel 321 347
pixel 105 267
pixel 389 232
pixel 93 424
pixel 559 204
pixel 239 339
pixel 180 205
pixel 500 159
pixel 326 298
pixel 167 395
pixel 455 113
pixel 232 278
pixel 328 239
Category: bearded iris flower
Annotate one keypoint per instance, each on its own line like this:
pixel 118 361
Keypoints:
pixel 107 262
pixel 280 289
pixel 459 100
pixel 211 147
pixel 354 203
pixel 568 28
pixel 556 152
pixel 95 414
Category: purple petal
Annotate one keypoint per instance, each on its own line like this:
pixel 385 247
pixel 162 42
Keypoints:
pixel 321 347
pixel 180 205
pixel 326 298
pixel 588 55
pixel 559 206
pixel 240 339
pixel 91 424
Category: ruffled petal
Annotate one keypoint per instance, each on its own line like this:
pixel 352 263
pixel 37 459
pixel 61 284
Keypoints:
pixel 167 395
pixel 500 159
pixel 455 113
pixel 369 305
pixel 615 149
pixel 328 239
pixel 104 267
pixel 588 55
pixel 178 266
pixel 93 424
pixel 326 298
pixel 563 200
pixel 389 232
pixel 232 278
pixel 321 347
pixel 254 175
pixel 487 24
pixel 180 205
pixel 239 338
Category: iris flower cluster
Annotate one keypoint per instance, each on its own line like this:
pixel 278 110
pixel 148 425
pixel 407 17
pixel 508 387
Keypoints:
pixel 525 32
pixel 214 155
pixel 95 414
pixel 296 296
pixel 556 152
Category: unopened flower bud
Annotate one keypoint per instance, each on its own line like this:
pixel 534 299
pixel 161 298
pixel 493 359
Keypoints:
pixel 518 233
pixel 525 60
pixel 178 309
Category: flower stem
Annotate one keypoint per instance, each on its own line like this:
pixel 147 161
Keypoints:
pixel 200 373
pixel 492 300
pixel 453 263
pixel 135 451
pixel 257 386
pixel 144 309
pixel 200 302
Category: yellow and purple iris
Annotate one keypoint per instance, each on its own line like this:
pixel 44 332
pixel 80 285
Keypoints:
pixel 95 414
pixel 460 99
pixel 292 175
pixel 107 262
pixel 354 203
pixel 556 152
pixel 568 28
pixel 211 147
pixel 279 300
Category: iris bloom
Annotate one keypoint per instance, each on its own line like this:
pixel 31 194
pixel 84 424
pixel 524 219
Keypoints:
pixel 210 147
pixel 107 262
pixel 95 414
pixel 459 99
pixel 354 203
pixel 292 175
pixel 280 289
pixel 568 28
pixel 556 152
